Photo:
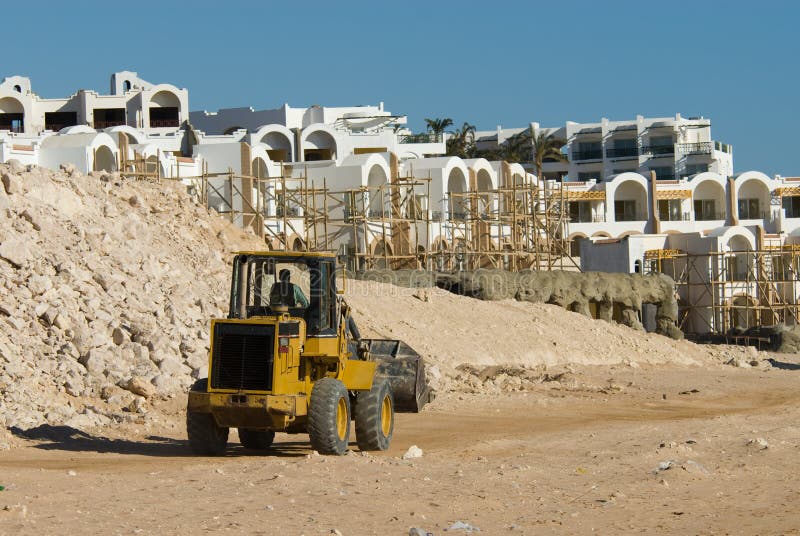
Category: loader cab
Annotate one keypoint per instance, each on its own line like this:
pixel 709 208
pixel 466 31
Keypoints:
pixel 257 289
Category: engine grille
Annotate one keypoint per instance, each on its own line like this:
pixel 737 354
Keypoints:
pixel 243 357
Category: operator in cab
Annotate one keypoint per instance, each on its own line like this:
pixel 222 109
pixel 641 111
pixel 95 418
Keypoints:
pixel 284 292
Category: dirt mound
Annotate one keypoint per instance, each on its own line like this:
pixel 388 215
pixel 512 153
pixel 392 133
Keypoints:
pixel 450 330
pixel 108 288
pixel 606 293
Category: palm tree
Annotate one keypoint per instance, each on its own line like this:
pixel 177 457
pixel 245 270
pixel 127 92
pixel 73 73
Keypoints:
pixel 437 126
pixel 546 146
pixel 462 142
pixel 516 148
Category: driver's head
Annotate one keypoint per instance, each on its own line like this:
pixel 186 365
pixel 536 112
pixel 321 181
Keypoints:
pixel 284 275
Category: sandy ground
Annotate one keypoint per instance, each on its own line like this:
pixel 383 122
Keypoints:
pixel 569 457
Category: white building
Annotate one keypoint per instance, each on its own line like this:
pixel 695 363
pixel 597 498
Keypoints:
pixel 155 108
pixel 617 215
pixel 632 204
pixel 673 147
pixel 154 121
pixel 85 128
pixel 317 132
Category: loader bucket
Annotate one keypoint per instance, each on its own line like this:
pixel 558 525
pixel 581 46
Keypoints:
pixel 405 370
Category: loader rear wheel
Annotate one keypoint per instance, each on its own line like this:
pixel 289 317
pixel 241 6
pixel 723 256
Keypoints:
pixel 206 438
pixel 256 439
pixel 374 416
pixel 329 417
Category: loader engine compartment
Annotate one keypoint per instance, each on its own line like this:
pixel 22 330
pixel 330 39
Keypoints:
pixel 243 356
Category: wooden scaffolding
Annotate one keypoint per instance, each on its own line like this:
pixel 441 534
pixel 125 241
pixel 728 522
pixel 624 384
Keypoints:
pixel 389 226
pixel 516 227
pixel 722 292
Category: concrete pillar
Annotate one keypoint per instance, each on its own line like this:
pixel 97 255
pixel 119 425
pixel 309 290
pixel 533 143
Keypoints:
pixel 733 213
pixel 655 218
pixel 298 157
pixel 250 210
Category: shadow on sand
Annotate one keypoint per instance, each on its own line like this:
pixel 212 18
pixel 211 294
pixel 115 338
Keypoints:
pixel 783 365
pixel 66 438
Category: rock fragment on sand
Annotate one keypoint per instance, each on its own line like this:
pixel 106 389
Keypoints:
pixel 758 442
pixel 413 452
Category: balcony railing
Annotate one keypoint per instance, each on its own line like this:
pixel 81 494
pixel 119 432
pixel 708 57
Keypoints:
pixel 704 147
pixel 724 147
pixel 690 174
pixel 658 150
pixel 623 152
pixel 597 218
pixel 56 127
pixel 685 216
pixel 420 138
pixel 757 216
pixel 709 217
pixel 637 217
pixel 99 125
pixel 162 123
pixel 587 155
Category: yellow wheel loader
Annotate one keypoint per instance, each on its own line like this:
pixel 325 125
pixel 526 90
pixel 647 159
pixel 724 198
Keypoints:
pixel 289 358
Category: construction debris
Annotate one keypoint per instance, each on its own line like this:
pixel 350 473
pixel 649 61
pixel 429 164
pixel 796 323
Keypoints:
pixel 102 297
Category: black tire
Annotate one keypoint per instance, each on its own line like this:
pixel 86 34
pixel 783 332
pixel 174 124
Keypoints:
pixel 200 386
pixel 206 438
pixel 256 439
pixel 374 416
pixel 329 417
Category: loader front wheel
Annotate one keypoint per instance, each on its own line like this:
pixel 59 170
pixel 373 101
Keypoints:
pixel 329 417
pixel 256 439
pixel 206 437
pixel 374 416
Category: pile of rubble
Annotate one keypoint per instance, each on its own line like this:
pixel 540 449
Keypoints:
pixel 107 289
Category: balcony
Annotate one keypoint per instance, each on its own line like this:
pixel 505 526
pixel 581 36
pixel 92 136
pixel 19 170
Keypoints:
pixel 100 125
pixel 56 127
pixel 723 147
pixel 162 123
pixel 420 138
pixel 623 152
pixel 706 216
pixel 587 155
pixel 755 215
pixel 582 218
pixel 670 216
pixel 620 218
pixel 658 150
pixel 704 147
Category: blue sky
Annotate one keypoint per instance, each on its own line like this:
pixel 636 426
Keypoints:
pixel 489 63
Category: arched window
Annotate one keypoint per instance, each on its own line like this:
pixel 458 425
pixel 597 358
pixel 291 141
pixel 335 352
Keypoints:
pixel 126 85
pixel 165 110
pixel 18 88
pixel 637 266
